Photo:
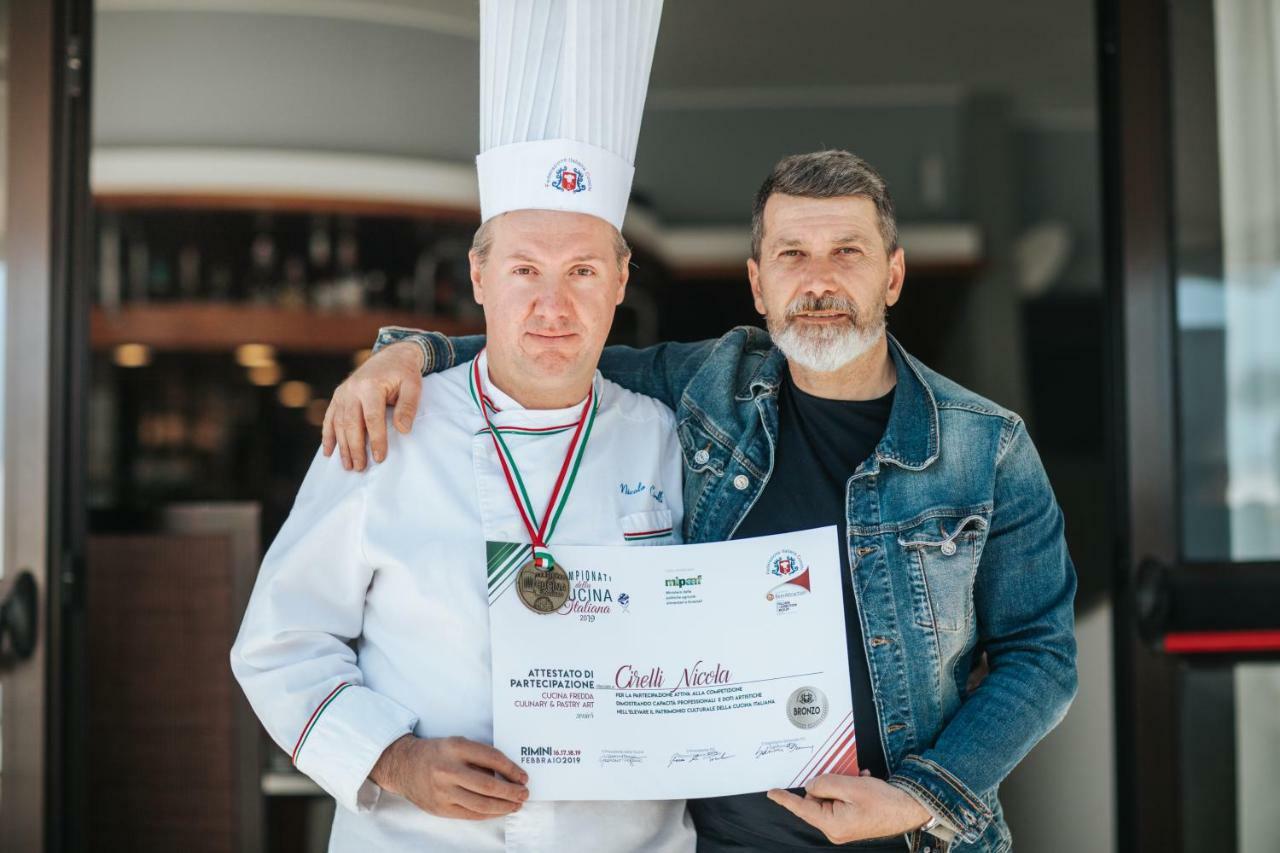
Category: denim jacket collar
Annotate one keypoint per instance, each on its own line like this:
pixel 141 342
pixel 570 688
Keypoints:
pixel 911 438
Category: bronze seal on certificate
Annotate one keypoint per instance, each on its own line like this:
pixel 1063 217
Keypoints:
pixel 542 590
pixel 807 707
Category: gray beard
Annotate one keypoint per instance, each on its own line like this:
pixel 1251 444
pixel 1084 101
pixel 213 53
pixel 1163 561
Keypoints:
pixel 825 349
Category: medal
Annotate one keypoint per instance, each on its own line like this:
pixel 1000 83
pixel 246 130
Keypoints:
pixel 542 590
pixel 542 583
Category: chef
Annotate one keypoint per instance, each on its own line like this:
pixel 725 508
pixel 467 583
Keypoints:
pixel 365 646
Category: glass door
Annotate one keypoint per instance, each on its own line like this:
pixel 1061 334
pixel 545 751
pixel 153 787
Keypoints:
pixel 43 207
pixel 1193 92
pixel 1226 217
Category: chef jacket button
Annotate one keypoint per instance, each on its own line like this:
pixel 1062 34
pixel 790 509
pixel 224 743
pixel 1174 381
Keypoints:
pixel 948 548
pixel 740 482
pixel 701 457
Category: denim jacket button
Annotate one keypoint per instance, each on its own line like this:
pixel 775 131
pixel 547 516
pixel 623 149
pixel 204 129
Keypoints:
pixel 948 548
pixel 740 482
pixel 701 457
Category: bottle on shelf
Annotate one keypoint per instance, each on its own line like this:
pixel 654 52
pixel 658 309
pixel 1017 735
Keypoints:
pixel 262 262
pixel 375 290
pixel 319 261
pixel 109 264
pixel 139 268
pixel 220 281
pixel 293 294
pixel 189 272
pixel 347 292
pixel 319 246
pixel 404 292
pixel 453 279
pixel 160 280
pixel 424 282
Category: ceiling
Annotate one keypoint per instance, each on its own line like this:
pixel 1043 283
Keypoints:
pixel 735 85
pixel 1040 54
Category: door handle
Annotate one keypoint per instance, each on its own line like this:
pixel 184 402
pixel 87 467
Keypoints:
pixel 1152 599
pixel 19 617
pixel 1207 608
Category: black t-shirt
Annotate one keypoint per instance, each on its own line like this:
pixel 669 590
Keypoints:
pixel 820 444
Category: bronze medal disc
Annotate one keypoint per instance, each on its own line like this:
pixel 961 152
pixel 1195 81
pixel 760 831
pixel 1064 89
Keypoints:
pixel 542 590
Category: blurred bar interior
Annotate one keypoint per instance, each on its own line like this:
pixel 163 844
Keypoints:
pixel 275 181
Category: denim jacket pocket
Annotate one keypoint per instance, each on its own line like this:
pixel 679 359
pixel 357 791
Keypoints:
pixel 705 461
pixel 943 552
pixel 703 455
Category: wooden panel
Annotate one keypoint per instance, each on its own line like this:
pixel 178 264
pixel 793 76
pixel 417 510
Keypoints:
pixel 163 761
pixel 198 327
pixel 240 523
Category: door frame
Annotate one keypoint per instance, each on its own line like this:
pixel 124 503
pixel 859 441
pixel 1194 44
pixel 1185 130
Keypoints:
pixel 1134 100
pixel 1179 625
pixel 28 242
pixel 45 364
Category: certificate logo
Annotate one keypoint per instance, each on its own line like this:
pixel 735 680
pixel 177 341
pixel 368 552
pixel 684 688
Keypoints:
pixel 793 575
pixel 682 586
pixel 592 594
pixel 807 707
pixel 785 564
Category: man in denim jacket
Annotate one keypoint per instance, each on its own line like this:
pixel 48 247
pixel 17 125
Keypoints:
pixel 954 550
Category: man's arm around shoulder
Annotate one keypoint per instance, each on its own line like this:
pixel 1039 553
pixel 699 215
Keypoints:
pixel 660 371
pixel 393 377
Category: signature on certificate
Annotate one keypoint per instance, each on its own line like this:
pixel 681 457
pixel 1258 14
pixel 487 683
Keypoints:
pixel 708 755
pixel 629 757
pixel 770 747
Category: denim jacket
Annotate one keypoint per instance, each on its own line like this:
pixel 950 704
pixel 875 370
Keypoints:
pixel 955 543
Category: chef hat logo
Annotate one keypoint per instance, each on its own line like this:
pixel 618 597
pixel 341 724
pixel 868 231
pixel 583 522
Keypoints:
pixel 569 176
pixel 562 82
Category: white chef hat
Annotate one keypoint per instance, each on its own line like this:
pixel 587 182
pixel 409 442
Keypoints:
pixel 562 88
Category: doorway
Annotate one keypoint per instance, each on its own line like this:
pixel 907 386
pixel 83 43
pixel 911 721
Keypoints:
pixel 1074 250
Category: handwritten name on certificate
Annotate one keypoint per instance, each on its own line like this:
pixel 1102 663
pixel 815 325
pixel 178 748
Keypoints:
pixel 677 671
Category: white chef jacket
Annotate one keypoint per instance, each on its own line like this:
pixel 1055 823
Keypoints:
pixel 370 616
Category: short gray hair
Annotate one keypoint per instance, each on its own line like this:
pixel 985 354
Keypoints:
pixel 482 242
pixel 825 174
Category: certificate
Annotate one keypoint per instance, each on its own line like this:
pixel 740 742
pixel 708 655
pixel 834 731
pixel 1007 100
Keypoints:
pixel 678 671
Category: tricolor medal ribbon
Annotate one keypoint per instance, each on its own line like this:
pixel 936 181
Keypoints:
pixel 542 584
